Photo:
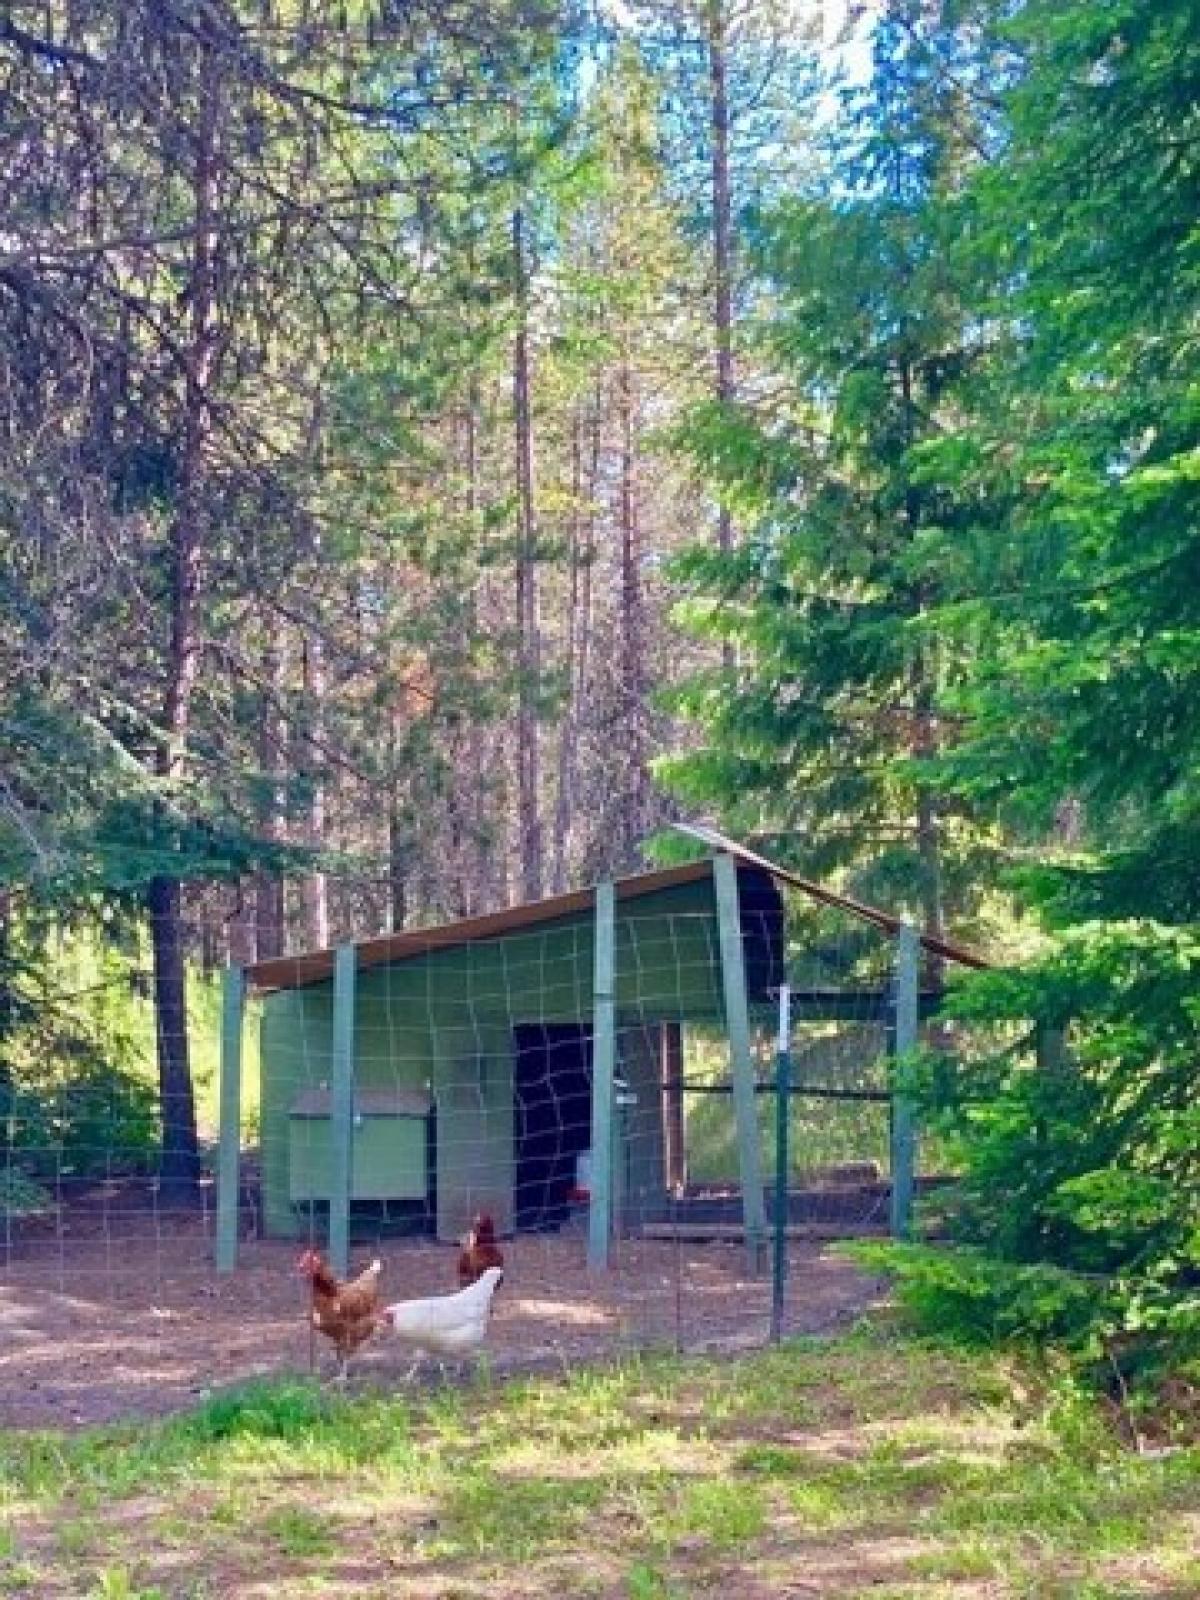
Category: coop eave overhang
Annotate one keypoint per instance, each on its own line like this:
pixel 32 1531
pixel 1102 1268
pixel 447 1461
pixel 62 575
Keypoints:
pixel 316 966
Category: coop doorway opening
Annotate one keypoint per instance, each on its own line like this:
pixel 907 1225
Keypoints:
pixel 552 1118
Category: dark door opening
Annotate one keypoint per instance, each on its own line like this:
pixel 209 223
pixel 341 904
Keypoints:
pixel 552 1114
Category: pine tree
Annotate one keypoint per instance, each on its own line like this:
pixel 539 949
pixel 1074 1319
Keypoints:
pixel 826 729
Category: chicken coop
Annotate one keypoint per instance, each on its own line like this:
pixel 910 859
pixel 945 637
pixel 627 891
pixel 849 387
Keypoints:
pixel 599 1060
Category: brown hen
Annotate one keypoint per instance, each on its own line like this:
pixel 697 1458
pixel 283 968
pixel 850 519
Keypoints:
pixel 346 1313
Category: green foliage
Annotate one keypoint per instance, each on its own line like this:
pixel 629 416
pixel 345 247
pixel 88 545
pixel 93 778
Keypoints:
pixel 865 324
pixel 260 1411
pixel 86 1118
pixel 20 1196
pixel 968 1295
pixel 1079 1195
pixel 969 581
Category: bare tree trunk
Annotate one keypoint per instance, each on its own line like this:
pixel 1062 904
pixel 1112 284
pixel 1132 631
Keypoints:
pixel 528 624
pixel 272 735
pixel 478 873
pixel 239 925
pixel 722 226
pixel 564 804
pixel 633 671
pixel 6 994
pixel 929 844
pixel 398 863
pixel 314 886
pixel 180 1165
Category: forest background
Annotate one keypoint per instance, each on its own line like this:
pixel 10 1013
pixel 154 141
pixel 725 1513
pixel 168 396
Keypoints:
pixel 440 445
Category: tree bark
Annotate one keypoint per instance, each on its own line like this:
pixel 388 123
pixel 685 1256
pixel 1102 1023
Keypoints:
pixel 240 935
pixel 564 802
pixel 180 1164
pixel 722 227
pixel 398 864
pixel 272 734
pixel 314 886
pixel 528 624
pixel 6 994
pixel 633 671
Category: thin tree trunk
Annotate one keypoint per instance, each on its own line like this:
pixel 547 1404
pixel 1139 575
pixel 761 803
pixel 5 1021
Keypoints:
pixel 398 864
pixel 929 844
pixel 269 902
pixel 924 741
pixel 528 624
pixel 722 227
pixel 7 974
pixel 475 873
pixel 633 685
pixel 314 886
pixel 564 805
pixel 180 1165
pixel 239 925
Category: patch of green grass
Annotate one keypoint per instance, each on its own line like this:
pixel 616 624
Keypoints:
pixel 725 1513
pixel 736 1465
pixel 957 1564
pixel 116 1584
pixel 301 1532
pixel 77 1536
pixel 647 1582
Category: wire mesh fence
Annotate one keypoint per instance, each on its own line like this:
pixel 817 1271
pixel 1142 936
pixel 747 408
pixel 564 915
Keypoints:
pixel 468 1071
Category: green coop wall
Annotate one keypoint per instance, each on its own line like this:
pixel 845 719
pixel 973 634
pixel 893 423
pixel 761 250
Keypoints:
pixel 443 1022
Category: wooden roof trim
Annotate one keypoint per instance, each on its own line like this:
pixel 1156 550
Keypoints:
pixel 841 902
pixel 316 966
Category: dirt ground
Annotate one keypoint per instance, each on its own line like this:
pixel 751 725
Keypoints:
pixel 121 1315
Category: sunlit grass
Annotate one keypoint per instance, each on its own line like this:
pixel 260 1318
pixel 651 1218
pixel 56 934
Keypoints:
pixel 884 1465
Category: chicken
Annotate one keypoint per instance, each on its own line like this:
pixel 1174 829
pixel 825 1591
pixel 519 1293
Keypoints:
pixel 446 1325
pixel 346 1313
pixel 479 1252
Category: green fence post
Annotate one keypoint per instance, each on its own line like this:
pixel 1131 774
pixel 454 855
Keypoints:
pixel 905 1039
pixel 604 1054
pixel 341 1110
pixel 737 1020
pixel 783 1096
pixel 229 1149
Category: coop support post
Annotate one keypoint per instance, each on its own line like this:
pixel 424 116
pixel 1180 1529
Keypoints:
pixel 737 1020
pixel 229 1149
pixel 341 1109
pixel 604 1051
pixel 905 1039
pixel 783 1095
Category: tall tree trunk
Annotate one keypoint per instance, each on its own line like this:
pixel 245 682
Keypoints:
pixel 240 932
pixel 722 226
pixel 633 672
pixel 529 649
pixel 564 806
pixel 924 739
pixel 272 736
pixel 929 843
pixel 398 865
pixel 314 886
pixel 180 1165
pixel 7 975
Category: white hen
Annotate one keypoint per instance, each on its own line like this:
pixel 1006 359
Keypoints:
pixel 446 1325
